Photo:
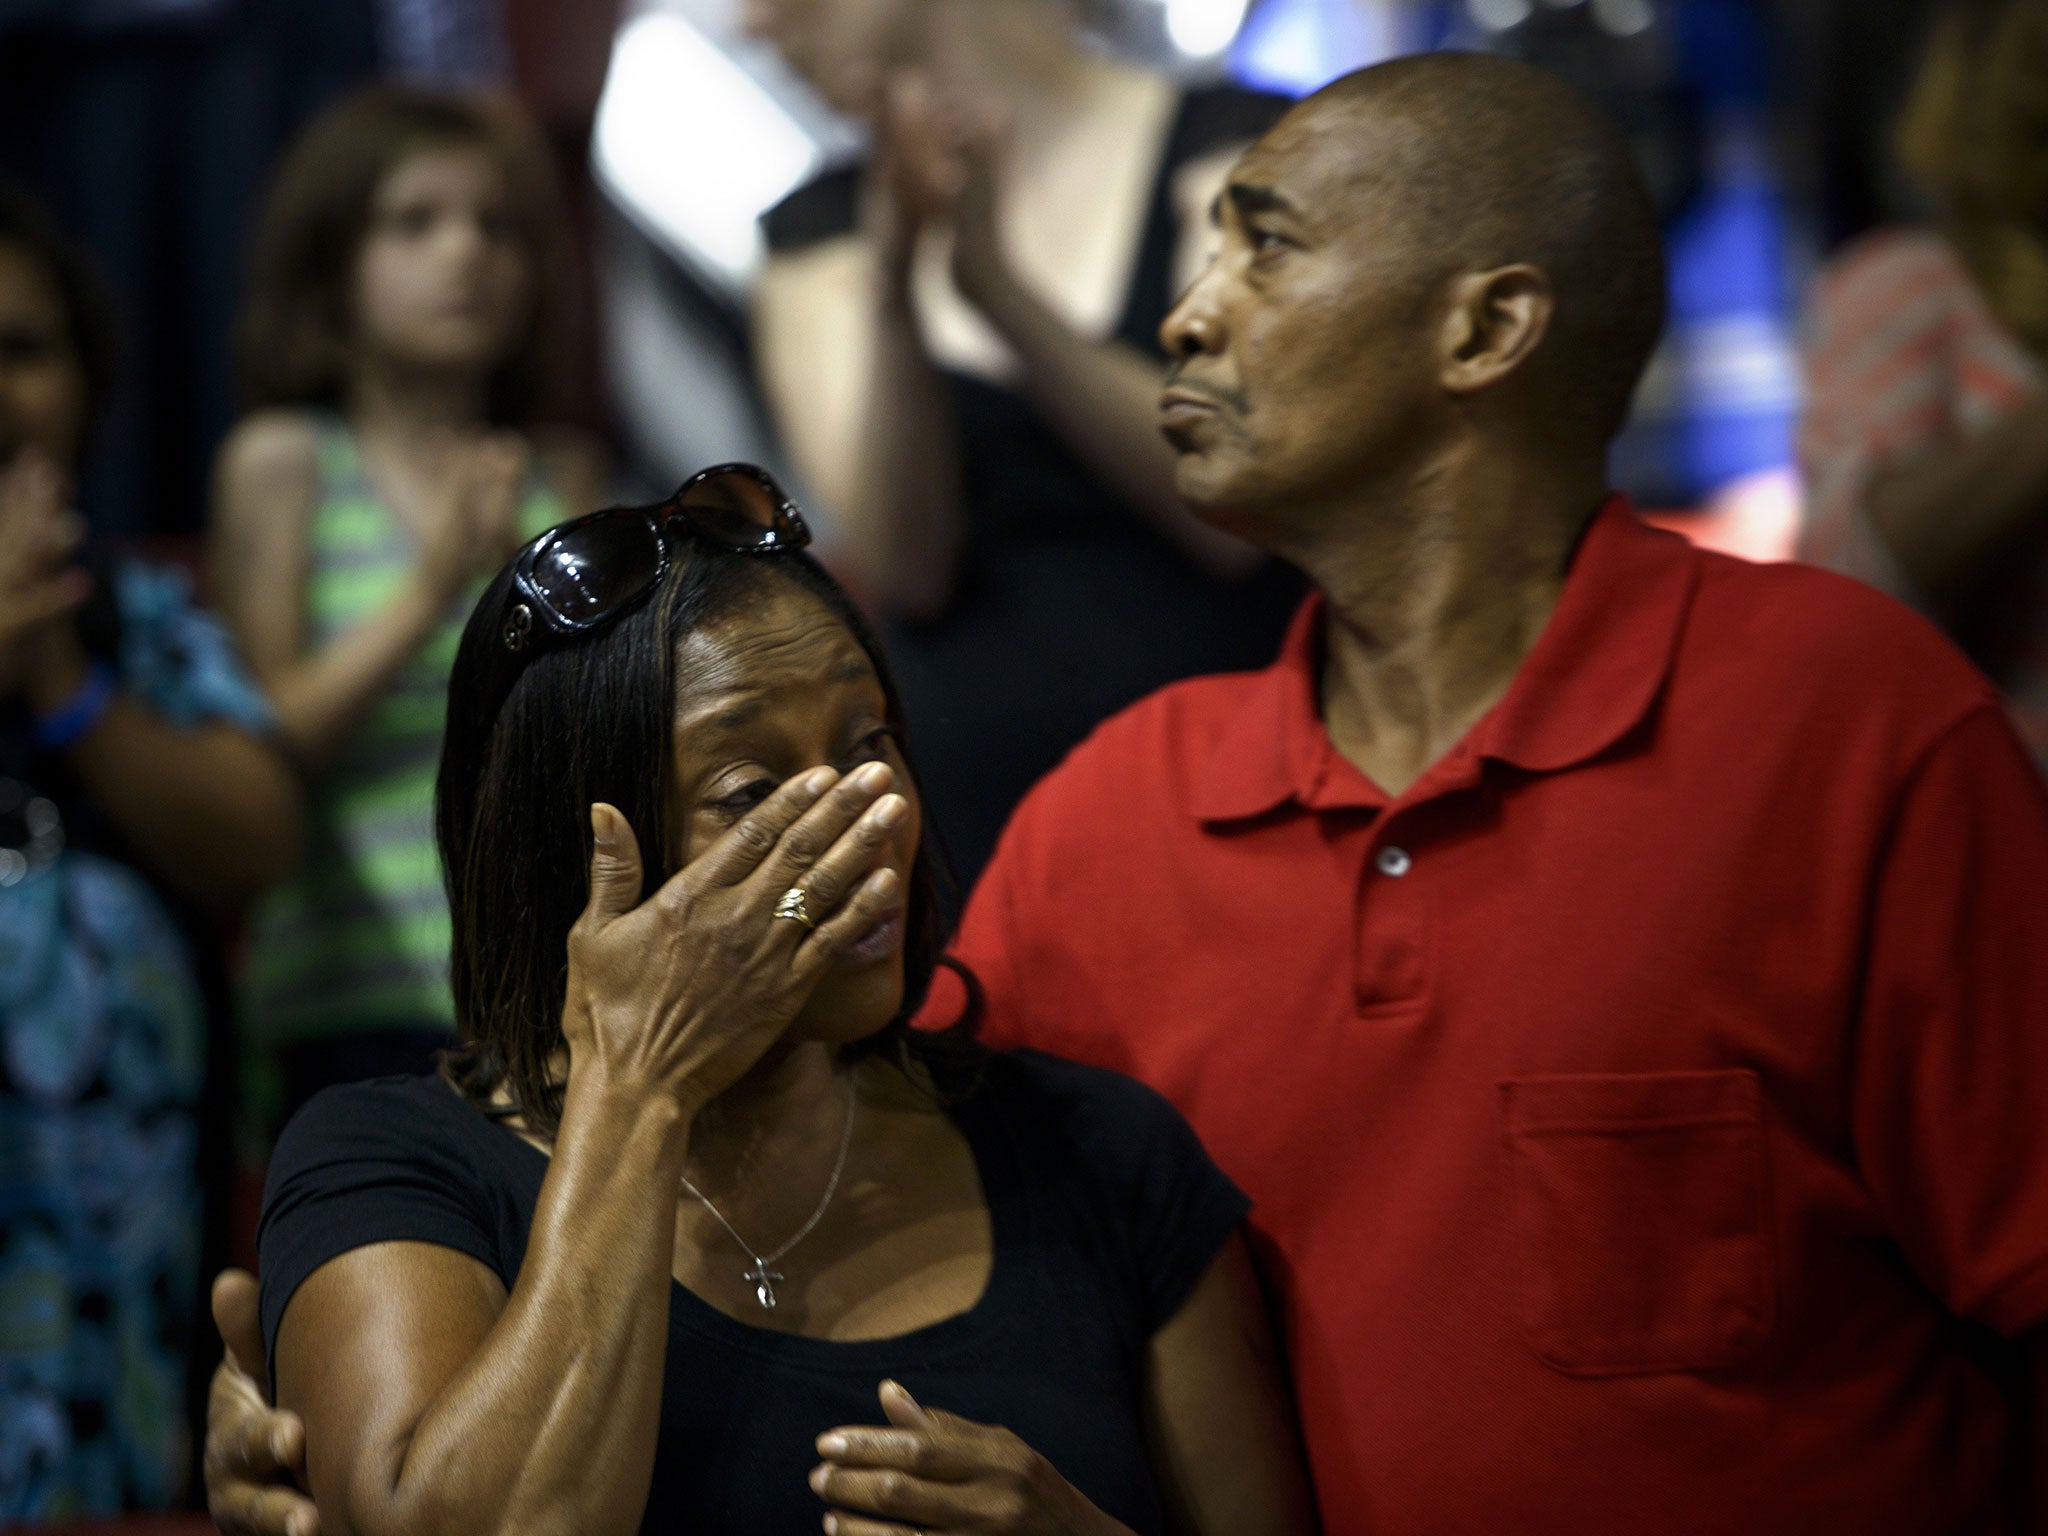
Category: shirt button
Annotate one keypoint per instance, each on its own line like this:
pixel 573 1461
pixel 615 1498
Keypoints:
pixel 1394 862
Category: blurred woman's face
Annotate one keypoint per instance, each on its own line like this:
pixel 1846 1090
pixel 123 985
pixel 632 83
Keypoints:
pixel 443 280
pixel 761 697
pixel 43 391
pixel 844 48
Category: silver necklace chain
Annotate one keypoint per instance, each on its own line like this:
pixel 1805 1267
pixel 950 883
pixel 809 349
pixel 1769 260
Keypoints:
pixel 761 1274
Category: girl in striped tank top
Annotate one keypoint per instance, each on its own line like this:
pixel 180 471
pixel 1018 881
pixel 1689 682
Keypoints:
pixel 392 348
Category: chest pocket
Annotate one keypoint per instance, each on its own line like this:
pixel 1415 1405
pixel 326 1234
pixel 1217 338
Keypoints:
pixel 1641 1219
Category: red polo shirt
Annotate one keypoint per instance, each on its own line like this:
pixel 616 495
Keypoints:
pixel 1647 1112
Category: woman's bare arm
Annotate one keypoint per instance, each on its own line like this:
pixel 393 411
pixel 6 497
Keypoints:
pixel 867 415
pixel 434 1403
pixel 867 419
pixel 1225 1444
pixel 210 809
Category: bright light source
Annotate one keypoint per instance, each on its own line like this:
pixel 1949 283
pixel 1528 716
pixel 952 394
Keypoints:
pixel 1200 28
pixel 1757 516
pixel 692 147
pixel 1624 18
pixel 1498 15
pixel 1293 46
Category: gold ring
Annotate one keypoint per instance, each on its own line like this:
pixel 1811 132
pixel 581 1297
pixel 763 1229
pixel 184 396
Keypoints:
pixel 793 907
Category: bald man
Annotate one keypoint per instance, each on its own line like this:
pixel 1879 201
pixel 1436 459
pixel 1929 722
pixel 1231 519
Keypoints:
pixel 1613 970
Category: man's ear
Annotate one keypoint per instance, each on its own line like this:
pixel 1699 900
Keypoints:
pixel 1494 321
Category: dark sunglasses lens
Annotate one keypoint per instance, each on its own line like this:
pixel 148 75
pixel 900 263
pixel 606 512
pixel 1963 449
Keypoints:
pixel 590 570
pixel 735 508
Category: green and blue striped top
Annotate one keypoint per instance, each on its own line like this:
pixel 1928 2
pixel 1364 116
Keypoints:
pixel 358 939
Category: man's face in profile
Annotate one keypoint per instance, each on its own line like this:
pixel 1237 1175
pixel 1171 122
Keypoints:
pixel 1303 358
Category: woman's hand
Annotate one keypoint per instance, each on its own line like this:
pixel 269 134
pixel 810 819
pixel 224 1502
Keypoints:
pixel 935 1474
pixel 682 993
pixel 471 525
pixel 916 172
pixel 935 163
pixel 981 270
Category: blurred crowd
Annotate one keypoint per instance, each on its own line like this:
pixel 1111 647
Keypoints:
pixel 299 341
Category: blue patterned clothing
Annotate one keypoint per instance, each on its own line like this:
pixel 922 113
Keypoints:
pixel 103 1048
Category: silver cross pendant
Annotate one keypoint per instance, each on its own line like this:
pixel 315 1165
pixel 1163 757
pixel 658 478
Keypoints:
pixel 763 1279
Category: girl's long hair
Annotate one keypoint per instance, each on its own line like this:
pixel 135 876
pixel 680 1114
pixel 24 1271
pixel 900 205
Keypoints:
pixel 294 341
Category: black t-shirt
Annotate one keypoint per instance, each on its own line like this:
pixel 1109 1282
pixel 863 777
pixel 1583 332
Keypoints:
pixel 1105 1211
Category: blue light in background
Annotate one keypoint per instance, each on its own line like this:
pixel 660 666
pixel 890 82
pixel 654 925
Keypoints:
pixel 1293 46
pixel 1724 396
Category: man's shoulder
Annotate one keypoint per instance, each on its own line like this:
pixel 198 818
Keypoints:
pixel 1154 748
pixel 1812 638
pixel 1180 719
pixel 1122 797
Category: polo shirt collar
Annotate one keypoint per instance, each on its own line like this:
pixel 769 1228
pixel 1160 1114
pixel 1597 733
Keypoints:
pixel 1592 676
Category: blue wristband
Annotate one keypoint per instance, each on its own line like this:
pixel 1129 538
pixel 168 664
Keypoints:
pixel 63 726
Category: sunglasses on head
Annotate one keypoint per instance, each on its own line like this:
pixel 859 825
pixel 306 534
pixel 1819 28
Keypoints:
pixel 586 572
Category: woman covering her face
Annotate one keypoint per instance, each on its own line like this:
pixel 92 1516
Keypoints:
pixel 693 1233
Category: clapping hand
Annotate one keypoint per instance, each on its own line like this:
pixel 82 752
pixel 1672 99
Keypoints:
pixel 979 265
pixel 936 1474
pixel 935 164
pixel 470 524
pixel 915 174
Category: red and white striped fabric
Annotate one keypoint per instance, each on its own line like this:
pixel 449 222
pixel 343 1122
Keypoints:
pixel 1903 354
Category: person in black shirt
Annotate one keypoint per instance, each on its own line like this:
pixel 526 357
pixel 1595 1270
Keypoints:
pixel 644 1254
pixel 958 338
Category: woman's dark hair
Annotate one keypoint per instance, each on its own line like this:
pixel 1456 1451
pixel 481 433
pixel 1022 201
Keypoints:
pixel 26 226
pixel 295 336
pixel 591 719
